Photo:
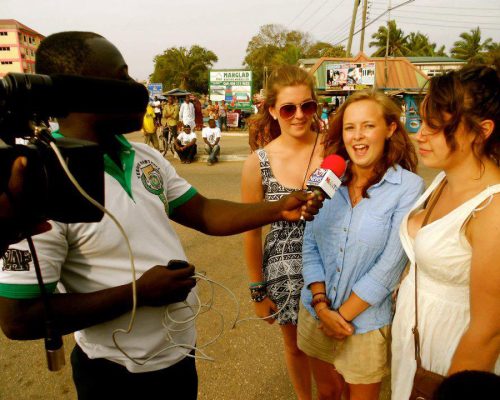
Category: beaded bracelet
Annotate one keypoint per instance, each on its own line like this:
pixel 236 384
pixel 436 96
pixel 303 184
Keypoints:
pixel 318 300
pixel 258 293
pixel 319 293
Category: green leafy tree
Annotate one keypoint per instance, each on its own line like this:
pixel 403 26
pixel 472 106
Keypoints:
pixel 398 41
pixel 184 68
pixel 470 47
pixel 274 45
pixel 323 49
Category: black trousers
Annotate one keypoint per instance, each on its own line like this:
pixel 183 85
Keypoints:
pixel 99 378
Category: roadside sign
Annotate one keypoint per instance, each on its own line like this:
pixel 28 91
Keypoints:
pixel 233 86
pixel 155 89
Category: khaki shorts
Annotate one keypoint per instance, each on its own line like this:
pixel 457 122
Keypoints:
pixel 360 359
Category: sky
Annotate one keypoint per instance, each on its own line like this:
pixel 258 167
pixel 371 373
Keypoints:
pixel 142 29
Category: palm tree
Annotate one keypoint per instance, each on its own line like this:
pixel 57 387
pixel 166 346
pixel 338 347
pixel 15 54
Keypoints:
pixel 398 42
pixel 420 46
pixel 182 67
pixel 470 47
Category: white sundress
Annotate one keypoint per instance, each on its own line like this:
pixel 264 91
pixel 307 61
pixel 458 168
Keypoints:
pixel 444 256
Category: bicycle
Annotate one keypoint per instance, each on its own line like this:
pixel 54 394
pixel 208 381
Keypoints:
pixel 167 141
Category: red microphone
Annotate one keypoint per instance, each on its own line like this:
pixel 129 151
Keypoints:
pixel 326 178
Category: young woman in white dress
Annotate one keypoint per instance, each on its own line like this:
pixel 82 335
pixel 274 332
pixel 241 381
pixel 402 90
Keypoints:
pixel 458 252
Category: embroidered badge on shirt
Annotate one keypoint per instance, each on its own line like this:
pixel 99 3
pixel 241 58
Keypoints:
pixel 149 174
pixel 16 260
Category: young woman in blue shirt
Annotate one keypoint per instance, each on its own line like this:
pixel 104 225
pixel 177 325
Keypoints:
pixel 352 256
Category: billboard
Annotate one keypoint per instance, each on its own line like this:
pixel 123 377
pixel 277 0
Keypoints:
pixel 233 86
pixel 155 89
pixel 349 76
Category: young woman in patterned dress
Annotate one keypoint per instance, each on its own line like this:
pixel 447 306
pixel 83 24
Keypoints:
pixel 291 151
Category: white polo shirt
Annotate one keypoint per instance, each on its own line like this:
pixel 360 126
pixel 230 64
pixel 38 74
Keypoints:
pixel 87 257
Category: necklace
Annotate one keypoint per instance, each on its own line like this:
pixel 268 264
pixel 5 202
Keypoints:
pixel 310 159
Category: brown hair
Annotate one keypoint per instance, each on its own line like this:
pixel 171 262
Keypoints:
pixel 398 148
pixel 469 95
pixel 261 126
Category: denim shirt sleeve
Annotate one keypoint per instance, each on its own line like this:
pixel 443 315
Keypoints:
pixel 381 279
pixel 313 269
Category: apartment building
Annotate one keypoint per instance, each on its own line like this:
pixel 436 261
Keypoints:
pixel 18 44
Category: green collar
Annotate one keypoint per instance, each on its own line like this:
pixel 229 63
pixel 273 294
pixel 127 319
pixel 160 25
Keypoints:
pixel 122 173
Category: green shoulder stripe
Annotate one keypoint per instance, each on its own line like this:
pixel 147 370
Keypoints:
pixel 13 291
pixel 179 201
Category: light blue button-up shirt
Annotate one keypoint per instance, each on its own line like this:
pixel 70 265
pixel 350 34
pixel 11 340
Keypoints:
pixel 358 249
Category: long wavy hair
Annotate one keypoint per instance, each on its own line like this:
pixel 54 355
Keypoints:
pixel 262 127
pixel 398 149
pixel 469 96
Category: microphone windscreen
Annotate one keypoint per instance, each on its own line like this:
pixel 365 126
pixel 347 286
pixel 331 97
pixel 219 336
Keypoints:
pixel 335 163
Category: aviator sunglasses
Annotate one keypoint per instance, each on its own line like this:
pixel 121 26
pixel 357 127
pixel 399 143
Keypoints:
pixel 309 107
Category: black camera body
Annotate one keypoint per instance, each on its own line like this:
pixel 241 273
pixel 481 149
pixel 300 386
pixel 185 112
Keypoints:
pixel 26 102
pixel 47 191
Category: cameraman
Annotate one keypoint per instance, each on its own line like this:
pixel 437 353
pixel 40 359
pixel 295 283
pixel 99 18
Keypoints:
pixel 144 192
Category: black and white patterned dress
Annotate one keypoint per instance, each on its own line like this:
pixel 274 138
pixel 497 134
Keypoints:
pixel 282 259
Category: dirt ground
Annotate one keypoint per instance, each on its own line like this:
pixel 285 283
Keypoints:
pixel 248 359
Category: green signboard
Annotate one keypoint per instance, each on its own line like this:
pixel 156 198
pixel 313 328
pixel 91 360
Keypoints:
pixel 234 86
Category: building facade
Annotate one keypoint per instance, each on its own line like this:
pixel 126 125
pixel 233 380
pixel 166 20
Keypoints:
pixel 432 66
pixel 18 44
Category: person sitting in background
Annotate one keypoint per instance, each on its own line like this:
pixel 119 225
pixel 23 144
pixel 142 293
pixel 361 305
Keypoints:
pixel 185 145
pixel 211 136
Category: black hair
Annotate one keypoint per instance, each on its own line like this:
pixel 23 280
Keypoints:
pixel 64 53
pixel 467 385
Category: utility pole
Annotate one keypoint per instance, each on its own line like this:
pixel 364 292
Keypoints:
pixel 362 40
pixel 353 22
pixel 386 71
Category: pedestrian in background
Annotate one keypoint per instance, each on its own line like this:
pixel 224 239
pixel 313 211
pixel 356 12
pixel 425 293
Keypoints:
pixel 187 113
pixel 149 127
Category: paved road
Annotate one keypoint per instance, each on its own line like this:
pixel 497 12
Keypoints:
pixel 248 359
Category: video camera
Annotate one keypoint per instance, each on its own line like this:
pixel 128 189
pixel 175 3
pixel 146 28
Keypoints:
pixel 26 103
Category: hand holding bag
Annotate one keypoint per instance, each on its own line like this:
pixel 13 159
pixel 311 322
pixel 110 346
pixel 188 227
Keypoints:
pixel 425 382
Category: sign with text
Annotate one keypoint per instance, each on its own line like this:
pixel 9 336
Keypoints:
pixel 349 76
pixel 155 89
pixel 233 86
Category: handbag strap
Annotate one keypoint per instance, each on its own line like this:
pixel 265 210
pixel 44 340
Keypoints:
pixel 430 206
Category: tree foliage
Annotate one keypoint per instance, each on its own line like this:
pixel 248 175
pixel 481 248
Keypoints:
pixel 470 47
pixel 184 68
pixel 275 45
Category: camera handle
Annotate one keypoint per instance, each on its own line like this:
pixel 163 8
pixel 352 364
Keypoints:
pixel 53 341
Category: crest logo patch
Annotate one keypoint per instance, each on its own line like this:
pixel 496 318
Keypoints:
pixel 150 176
pixel 16 260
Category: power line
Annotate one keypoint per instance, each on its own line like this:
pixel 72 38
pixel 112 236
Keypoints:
pixel 437 13
pixel 410 22
pixel 377 18
pixel 307 5
pixel 313 13
pixel 441 20
pixel 429 6
pixel 327 15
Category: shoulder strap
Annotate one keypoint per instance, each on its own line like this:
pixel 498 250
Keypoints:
pixel 433 198
pixel 265 166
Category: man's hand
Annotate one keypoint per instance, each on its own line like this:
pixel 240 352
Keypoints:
pixel 333 325
pixel 159 285
pixel 265 308
pixel 301 204
pixel 9 214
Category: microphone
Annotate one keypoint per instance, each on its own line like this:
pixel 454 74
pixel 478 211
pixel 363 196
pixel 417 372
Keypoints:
pixel 326 177
pixel 59 94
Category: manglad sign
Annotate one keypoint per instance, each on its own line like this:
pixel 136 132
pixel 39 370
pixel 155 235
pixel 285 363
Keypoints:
pixel 233 86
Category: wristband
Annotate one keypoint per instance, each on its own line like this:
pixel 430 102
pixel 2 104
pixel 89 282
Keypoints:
pixel 318 300
pixel 319 293
pixel 258 293
pixel 345 319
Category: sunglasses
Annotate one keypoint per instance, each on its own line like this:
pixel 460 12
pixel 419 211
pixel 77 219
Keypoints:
pixel 309 107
